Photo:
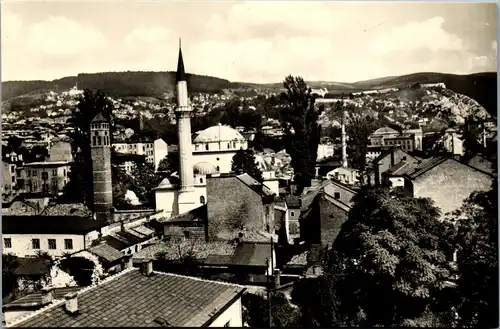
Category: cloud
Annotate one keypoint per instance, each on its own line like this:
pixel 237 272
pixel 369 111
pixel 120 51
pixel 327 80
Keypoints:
pixel 60 37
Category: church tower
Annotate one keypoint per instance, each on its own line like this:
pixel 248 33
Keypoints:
pixel 101 167
pixel 187 199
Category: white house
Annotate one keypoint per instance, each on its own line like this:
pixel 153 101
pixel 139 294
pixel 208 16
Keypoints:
pixel 349 176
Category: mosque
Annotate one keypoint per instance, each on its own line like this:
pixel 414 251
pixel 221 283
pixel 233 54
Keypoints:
pixel 211 151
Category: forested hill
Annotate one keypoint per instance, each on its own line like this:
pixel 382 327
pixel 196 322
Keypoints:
pixel 117 84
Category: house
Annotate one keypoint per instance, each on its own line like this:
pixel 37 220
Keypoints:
pixel 328 164
pixel 387 160
pixel 286 217
pixel 445 180
pixel 323 212
pixel 152 150
pixel 481 163
pixel 236 202
pixel 111 259
pixel 24 236
pixel 144 298
pixel 47 177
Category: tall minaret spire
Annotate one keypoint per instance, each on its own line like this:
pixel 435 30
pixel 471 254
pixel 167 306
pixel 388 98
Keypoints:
pixel 187 200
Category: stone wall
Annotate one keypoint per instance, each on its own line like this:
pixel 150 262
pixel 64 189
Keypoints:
pixel 232 206
pixel 332 217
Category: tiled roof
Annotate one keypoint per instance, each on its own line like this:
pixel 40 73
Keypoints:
pixel 49 225
pixel 425 166
pixel 35 299
pixel 67 209
pixel 32 266
pixel 123 239
pixel 255 185
pixel 106 252
pixel 251 254
pixel 99 118
pixel 200 248
pixel 401 168
pixel 197 214
pixel 131 299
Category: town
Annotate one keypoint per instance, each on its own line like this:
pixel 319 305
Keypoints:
pixel 288 206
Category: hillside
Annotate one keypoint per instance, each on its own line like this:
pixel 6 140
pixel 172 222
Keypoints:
pixel 481 87
pixel 117 84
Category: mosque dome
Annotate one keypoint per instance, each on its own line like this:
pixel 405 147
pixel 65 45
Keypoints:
pixel 218 133
pixel 204 168
pixel 385 130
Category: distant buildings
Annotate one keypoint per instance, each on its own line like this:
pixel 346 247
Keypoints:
pixel 153 151
pixel 409 140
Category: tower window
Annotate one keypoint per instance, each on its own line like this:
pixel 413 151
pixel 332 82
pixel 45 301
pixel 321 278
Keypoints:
pixel 94 140
pixel 201 180
pixel 99 140
pixel 218 159
pixel 202 199
pixel 228 146
pixel 218 169
pixel 337 195
pixel 206 147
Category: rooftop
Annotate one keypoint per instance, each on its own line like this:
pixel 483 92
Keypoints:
pixel 49 225
pixel 136 300
pixel 106 252
pixel 245 254
pixel 35 299
pixel 32 266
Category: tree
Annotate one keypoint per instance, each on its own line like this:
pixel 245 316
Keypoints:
pixel 394 247
pixel 471 137
pixel 170 163
pixel 144 181
pixel 121 184
pixel 476 237
pixel 256 312
pixel 299 117
pixel 9 278
pixel 244 162
pixel 91 103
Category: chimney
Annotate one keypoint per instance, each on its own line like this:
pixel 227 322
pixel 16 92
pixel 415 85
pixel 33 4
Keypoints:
pixel 344 143
pixel 147 267
pixel 277 278
pixel 127 262
pixel 47 295
pixel 71 305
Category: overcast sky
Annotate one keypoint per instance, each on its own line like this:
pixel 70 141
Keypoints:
pixel 247 41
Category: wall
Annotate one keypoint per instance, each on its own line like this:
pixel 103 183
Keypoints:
pixel 224 159
pixel 60 151
pixel 345 193
pixel 56 173
pixel 167 200
pixel 390 161
pixel 22 245
pixel 449 183
pixel 9 178
pixel 331 217
pixel 230 203
pixel 273 185
pixel 233 315
pixel 160 151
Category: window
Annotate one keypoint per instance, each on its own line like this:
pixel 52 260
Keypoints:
pixel 206 147
pixel 54 172
pixel 144 148
pixel 136 248
pixel 52 244
pixel 187 234
pixel 94 142
pixel 11 168
pixel 201 180
pixel 336 195
pixel 35 243
pixel 218 169
pixel 292 213
pixel 34 173
pixel 64 172
pixel 29 173
pixel 13 179
pixel 202 199
pixel 228 146
pixel 217 159
pixel 7 242
pixel 45 175
pixel 99 140
pixel 68 244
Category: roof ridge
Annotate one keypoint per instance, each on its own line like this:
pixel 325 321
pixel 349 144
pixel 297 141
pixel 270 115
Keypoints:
pixel 200 279
pixel 62 301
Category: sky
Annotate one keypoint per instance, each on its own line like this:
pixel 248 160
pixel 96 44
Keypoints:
pixel 250 41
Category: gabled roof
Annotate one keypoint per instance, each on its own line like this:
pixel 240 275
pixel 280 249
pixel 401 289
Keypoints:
pixel 245 254
pixel 50 225
pixel 425 166
pixel 106 252
pixel 134 300
pixel 293 201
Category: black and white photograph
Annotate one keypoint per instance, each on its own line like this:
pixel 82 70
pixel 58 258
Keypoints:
pixel 249 164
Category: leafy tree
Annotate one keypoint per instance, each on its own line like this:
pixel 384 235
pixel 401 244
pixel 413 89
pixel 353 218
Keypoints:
pixel 9 278
pixel 80 268
pixel 256 313
pixel 90 104
pixel 390 261
pixel 299 117
pixel 476 236
pixel 244 162
pixel 144 180
pixel 170 163
pixel 121 183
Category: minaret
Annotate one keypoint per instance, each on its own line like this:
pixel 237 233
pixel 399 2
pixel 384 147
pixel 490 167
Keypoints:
pixel 101 167
pixel 343 136
pixel 183 111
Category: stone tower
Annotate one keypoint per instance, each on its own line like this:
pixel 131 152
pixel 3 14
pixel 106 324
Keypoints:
pixel 101 167
pixel 186 197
